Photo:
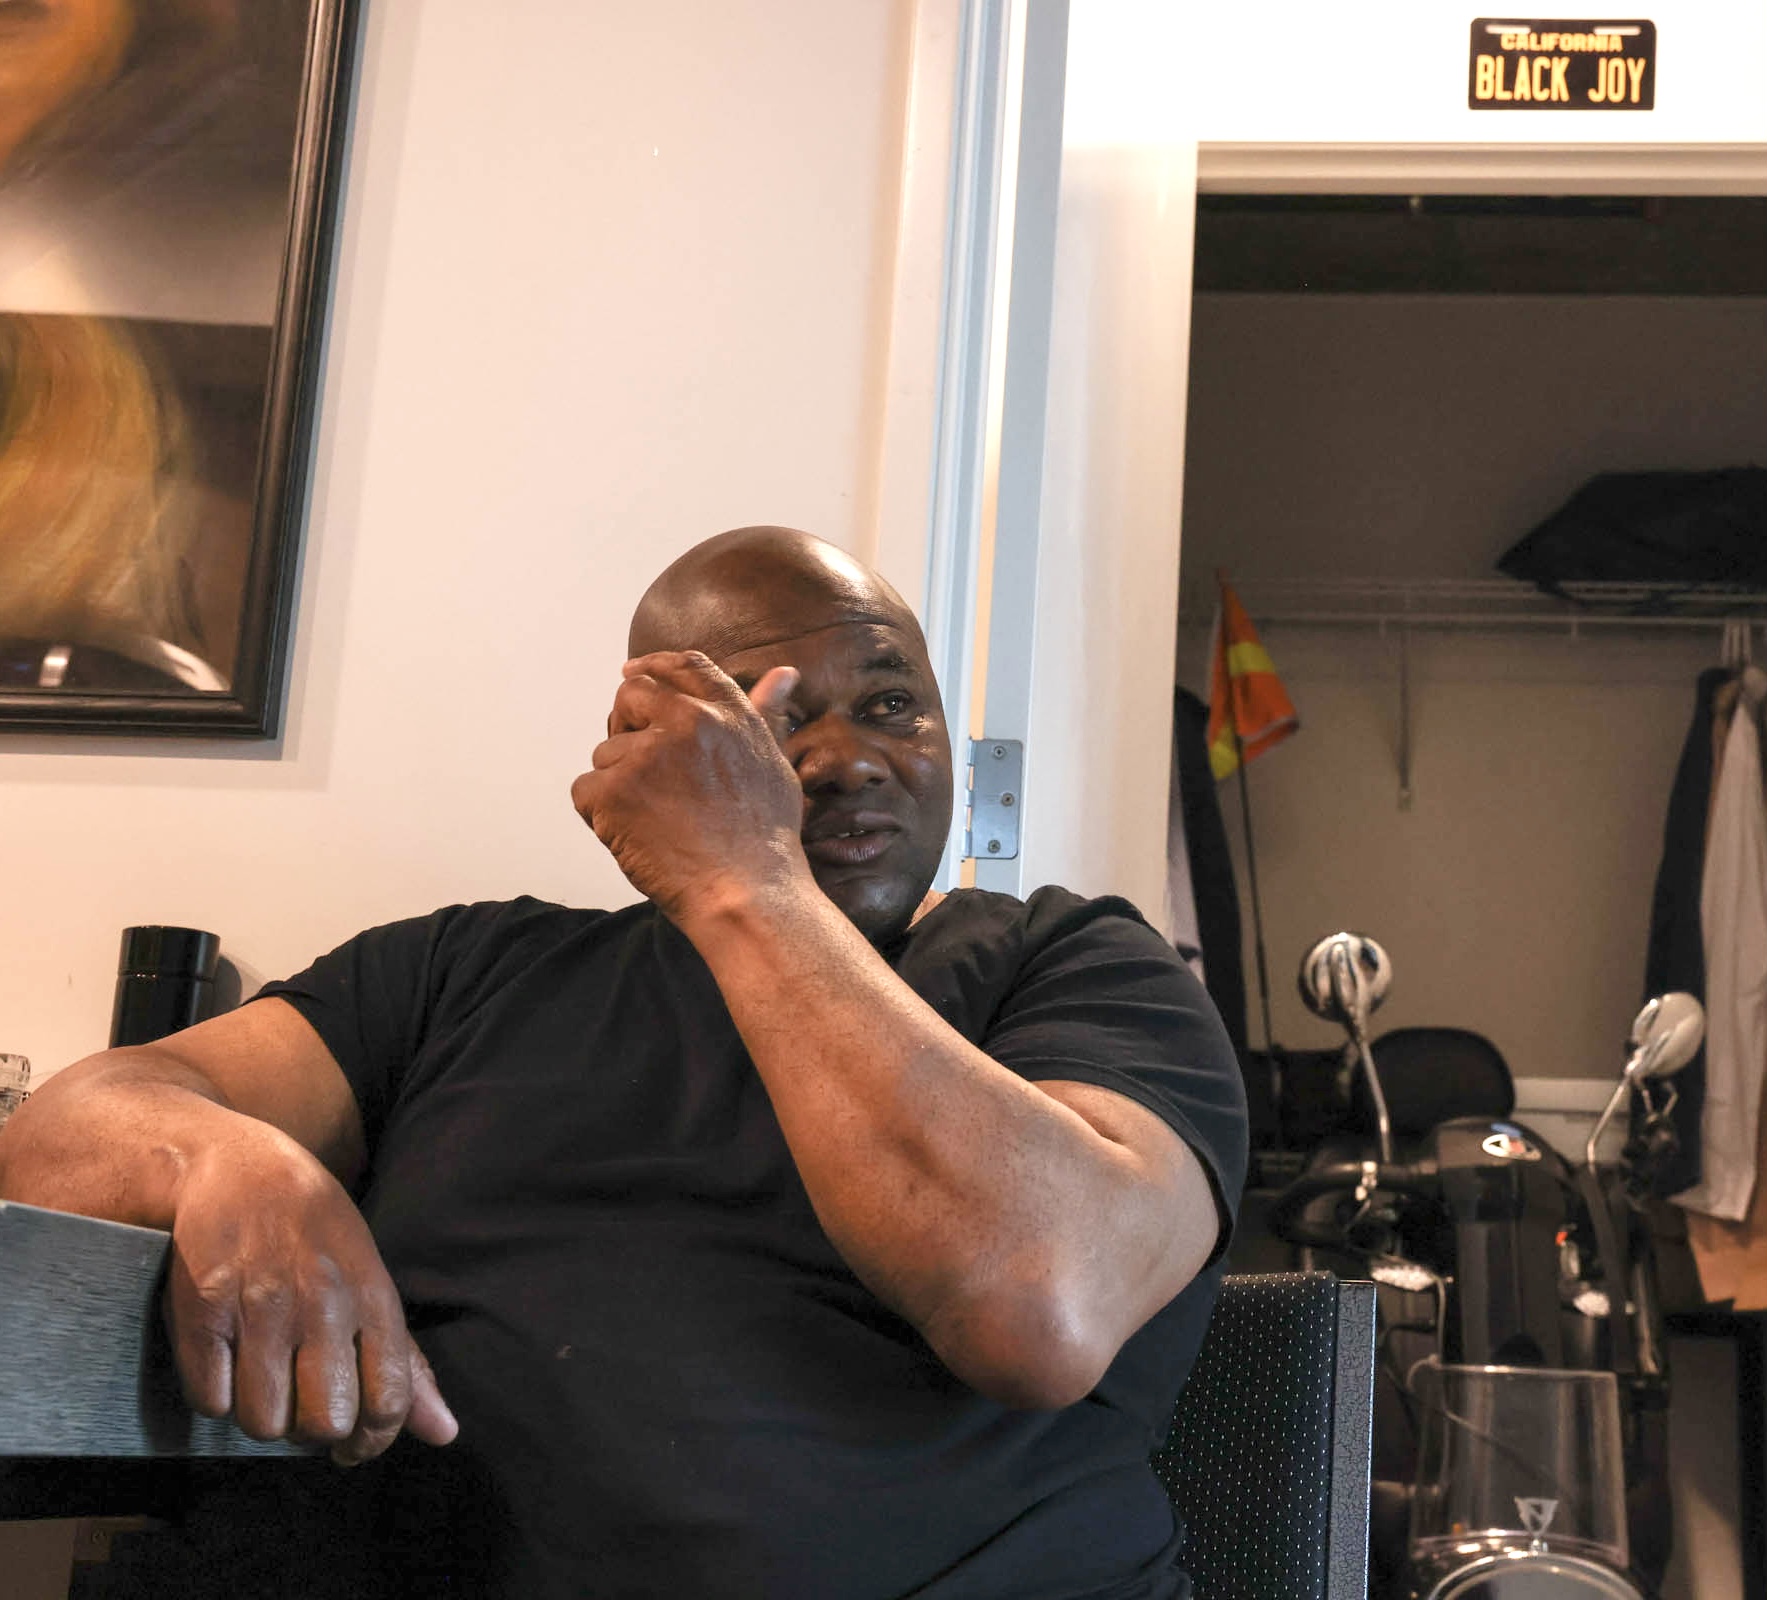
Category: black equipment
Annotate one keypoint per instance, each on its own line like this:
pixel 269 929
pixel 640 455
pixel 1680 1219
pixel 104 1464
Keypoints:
pixel 1504 1269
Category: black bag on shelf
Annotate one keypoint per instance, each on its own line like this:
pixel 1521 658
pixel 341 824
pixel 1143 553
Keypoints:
pixel 1651 527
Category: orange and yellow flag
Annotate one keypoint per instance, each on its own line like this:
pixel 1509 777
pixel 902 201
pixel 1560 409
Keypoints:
pixel 1245 695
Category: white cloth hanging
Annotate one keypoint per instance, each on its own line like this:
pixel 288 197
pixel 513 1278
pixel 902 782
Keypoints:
pixel 1733 926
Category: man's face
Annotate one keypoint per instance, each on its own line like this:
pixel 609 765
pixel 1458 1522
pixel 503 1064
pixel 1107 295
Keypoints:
pixel 868 742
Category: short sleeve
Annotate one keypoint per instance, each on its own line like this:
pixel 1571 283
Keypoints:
pixel 1101 998
pixel 370 1001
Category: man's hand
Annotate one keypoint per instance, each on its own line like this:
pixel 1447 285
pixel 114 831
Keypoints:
pixel 691 791
pixel 281 1312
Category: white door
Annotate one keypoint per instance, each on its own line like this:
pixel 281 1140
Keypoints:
pixel 1052 582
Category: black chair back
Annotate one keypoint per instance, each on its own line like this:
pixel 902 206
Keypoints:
pixel 1267 1462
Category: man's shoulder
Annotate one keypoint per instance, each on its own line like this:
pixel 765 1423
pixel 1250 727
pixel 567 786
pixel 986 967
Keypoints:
pixel 1048 913
pixel 525 916
pixel 480 938
pixel 990 946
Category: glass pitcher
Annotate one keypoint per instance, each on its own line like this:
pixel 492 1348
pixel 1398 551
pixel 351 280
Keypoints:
pixel 1517 1459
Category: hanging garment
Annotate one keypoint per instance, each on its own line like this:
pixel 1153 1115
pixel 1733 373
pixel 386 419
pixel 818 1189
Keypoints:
pixel 1206 870
pixel 1731 1257
pixel 1675 956
pixel 1180 924
pixel 1733 929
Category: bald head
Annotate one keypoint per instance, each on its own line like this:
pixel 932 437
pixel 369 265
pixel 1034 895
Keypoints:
pixel 754 586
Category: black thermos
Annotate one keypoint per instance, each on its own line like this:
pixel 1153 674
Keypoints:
pixel 165 981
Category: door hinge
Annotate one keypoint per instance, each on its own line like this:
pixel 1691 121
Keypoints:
pixel 995 799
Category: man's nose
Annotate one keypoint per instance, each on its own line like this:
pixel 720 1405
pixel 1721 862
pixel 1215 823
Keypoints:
pixel 834 753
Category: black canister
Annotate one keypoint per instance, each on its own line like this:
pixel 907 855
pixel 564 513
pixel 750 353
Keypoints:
pixel 165 981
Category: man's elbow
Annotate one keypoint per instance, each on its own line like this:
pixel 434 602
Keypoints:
pixel 1036 1353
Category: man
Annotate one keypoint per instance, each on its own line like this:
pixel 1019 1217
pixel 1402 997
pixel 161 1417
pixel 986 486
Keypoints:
pixel 795 1233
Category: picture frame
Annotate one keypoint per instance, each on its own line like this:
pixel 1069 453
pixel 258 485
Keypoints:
pixel 168 203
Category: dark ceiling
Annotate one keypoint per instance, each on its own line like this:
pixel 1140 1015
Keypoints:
pixel 1479 244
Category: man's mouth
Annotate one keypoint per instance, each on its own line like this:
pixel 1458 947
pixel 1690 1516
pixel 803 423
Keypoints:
pixel 849 841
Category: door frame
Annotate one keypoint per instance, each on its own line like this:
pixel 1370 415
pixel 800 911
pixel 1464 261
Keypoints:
pixel 1569 168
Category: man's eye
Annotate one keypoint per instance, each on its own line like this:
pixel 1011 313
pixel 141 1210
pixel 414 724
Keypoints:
pixel 893 704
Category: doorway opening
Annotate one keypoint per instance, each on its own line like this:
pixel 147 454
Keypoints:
pixel 1387 391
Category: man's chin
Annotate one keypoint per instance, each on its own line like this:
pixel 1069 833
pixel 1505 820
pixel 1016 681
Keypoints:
pixel 879 910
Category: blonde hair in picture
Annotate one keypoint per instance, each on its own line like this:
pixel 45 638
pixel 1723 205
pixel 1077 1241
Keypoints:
pixel 90 448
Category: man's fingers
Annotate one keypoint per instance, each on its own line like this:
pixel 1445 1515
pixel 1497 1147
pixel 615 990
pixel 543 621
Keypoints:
pixel 385 1396
pixel 587 787
pixel 205 1368
pixel 202 1333
pixel 689 672
pixel 263 1360
pixel 327 1395
pixel 398 1391
pixel 637 702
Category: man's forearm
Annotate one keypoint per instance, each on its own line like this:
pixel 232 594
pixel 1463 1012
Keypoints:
pixel 112 1137
pixel 967 1198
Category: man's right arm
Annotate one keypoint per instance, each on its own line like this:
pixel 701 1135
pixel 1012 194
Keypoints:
pixel 240 1136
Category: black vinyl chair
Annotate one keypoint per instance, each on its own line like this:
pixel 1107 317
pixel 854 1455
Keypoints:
pixel 1267 1462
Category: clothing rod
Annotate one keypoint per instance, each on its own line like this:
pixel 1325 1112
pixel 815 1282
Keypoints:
pixel 1483 603
pixel 1493 622
pixel 1570 621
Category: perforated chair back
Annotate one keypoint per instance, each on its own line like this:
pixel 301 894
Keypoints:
pixel 1268 1459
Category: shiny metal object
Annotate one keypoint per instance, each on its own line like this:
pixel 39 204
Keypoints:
pixel 1344 978
pixel 1666 1035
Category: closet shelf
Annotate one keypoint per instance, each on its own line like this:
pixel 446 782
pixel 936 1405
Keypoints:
pixel 1479 604
pixel 1403 606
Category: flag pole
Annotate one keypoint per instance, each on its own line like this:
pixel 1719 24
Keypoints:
pixel 1257 911
pixel 1251 872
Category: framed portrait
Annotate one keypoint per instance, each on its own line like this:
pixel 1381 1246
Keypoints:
pixel 168 184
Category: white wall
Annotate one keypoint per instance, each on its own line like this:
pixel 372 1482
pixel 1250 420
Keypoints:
pixel 1394 437
pixel 1396 70
pixel 612 277
pixel 1404 436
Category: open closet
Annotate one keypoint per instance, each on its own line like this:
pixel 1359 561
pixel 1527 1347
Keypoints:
pixel 1388 391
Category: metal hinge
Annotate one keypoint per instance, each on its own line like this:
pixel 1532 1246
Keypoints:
pixel 996 796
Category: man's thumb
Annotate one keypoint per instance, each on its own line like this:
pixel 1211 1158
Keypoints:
pixel 429 1418
pixel 772 698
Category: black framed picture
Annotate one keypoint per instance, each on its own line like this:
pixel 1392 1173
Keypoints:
pixel 168 178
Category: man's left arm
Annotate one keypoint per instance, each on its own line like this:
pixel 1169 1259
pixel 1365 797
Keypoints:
pixel 1027 1229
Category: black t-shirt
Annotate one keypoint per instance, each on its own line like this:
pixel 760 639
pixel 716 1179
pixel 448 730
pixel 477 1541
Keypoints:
pixel 669 1383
